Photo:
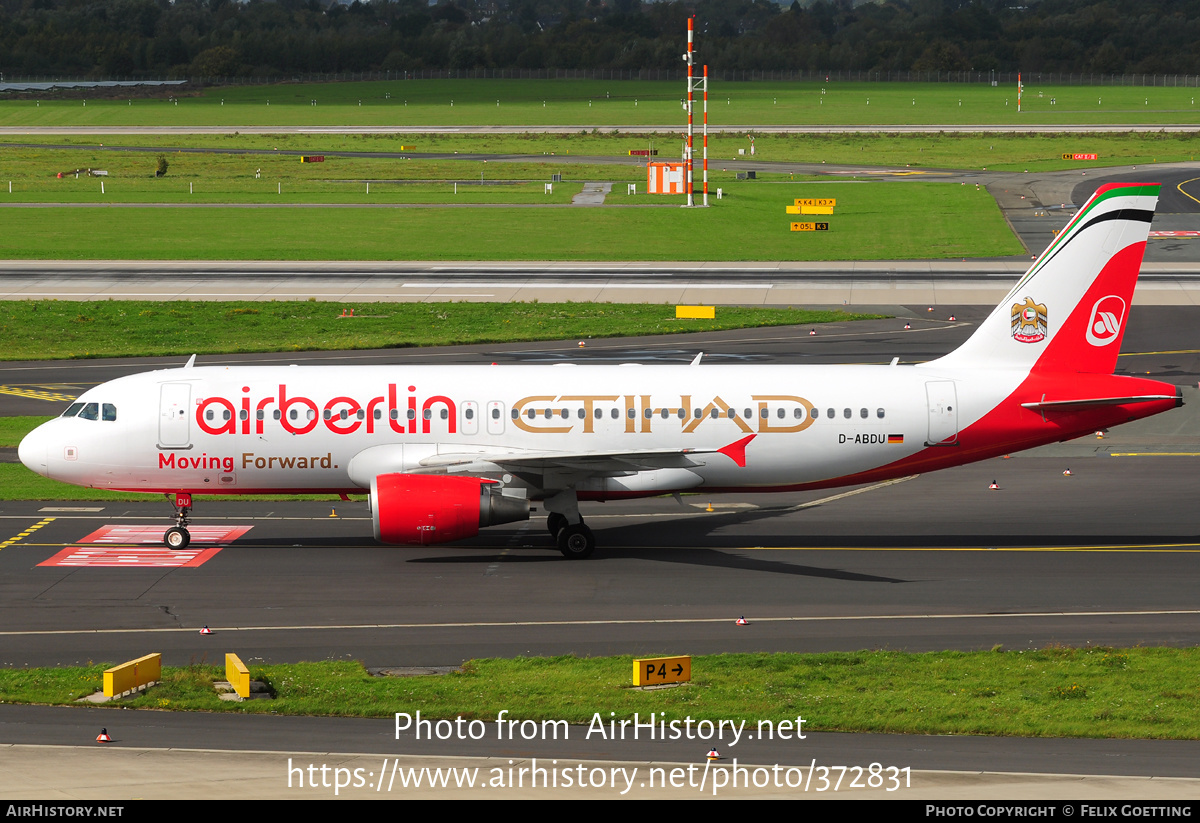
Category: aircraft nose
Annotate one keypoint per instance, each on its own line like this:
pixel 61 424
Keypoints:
pixel 32 451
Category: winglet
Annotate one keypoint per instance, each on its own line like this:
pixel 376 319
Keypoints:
pixel 736 451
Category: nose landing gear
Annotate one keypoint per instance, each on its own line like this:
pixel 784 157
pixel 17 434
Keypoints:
pixel 177 537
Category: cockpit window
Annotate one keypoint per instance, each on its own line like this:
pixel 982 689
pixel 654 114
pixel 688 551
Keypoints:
pixel 91 411
pixel 72 410
pixel 108 411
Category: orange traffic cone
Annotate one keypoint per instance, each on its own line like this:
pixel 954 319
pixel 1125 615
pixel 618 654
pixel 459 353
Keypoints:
pixel 103 737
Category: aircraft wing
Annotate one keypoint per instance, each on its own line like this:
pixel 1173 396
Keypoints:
pixel 388 459
pixel 598 463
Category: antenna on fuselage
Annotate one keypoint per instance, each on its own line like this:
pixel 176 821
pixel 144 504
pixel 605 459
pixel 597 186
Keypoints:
pixel 191 362
pixel 696 362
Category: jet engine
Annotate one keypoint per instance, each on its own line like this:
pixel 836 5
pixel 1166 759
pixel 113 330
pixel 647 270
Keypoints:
pixel 421 509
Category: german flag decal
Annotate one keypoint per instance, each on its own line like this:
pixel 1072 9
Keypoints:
pixel 895 438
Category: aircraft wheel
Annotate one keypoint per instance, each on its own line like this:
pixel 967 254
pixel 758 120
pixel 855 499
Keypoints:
pixel 555 523
pixel 177 538
pixel 576 542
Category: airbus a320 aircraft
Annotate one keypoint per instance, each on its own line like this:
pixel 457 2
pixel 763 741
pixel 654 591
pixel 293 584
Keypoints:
pixel 444 451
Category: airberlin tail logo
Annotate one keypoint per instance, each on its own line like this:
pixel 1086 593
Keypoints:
pixel 1105 324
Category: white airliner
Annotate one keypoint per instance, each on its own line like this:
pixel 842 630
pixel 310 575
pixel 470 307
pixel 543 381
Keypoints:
pixel 444 450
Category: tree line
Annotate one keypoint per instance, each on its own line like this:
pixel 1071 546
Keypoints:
pixel 282 38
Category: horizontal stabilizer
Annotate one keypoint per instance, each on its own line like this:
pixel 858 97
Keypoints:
pixel 1046 405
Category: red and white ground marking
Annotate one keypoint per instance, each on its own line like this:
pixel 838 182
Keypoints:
pixel 141 547
pixel 124 535
pixel 140 557
pixel 1175 234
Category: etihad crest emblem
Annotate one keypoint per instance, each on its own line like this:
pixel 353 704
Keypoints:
pixel 1029 323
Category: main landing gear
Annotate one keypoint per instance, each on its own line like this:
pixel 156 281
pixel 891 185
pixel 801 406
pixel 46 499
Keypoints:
pixel 575 540
pixel 177 537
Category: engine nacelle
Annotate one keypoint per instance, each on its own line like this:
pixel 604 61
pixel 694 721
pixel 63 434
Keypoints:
pixel 421 509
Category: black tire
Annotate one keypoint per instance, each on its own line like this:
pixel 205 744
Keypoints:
pixel 555 523
pixel 177 538
pixel 576 542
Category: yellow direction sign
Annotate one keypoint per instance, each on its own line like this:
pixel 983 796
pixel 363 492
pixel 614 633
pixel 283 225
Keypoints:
pixel 816 201
pixel 810 227
pixel 655 671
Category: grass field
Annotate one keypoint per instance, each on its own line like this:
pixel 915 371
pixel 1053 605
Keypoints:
pixel 12 429
pixel 1053 692
pixel 587 103
pixel 53 329
pixel 872 221
pixel 231 172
